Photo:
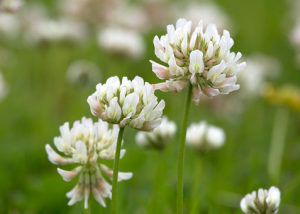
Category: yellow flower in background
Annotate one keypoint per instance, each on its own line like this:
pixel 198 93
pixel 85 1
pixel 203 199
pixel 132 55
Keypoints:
pixel 287 95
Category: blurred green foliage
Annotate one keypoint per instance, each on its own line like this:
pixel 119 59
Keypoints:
pixel 40 100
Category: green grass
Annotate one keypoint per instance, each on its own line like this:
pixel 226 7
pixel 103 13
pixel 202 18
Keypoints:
pixel 40 100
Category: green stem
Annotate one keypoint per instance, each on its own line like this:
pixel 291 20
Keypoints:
pixel 181 152
pixel 88 210
pixel 116 171
pixel 196 183
pixel 277 144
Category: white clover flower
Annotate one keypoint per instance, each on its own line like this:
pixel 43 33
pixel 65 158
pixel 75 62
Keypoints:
pixel 259 67
pixel 261 202
pixel 10 5
pixel 201 57
pixel 83 72
pixel 84 145
pixel 3 88
pixel 131 103
pixel 122 41
pixel 159 137
pixel 205 137
pixel 62 30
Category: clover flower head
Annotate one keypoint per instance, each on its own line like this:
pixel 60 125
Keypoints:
pixel 46 30
pixel 261 202
pixel 159 137
pixel 84 145
pixel 83 72
pixel 205 137
pixel 127 103
pixel 122 41
pixel 200 56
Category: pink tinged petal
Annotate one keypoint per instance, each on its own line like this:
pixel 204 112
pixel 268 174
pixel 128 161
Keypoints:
pixel 229 89
pixel 56 158
pixel 162 72
pixel 196 95
pixel 150 125
pixel 69 175
pixel 173 86
pixel 209 91
pixel 95 106
pixel 75 194
pixel 157 45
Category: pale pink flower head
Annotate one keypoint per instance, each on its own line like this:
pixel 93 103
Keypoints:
pixel 200 56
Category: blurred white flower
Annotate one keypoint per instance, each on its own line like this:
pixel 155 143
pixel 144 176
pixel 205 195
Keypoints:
pixel 205 137
pixel 91 11
pixel 62 30
pixel 9 25
pixel 10 5
pixel 259 67
pixel 208 12
pixel 83 72
pixel 84 145
pixel 3 88
pixel 122 41
pixel 130 17
pixel 131 103
pixel 159 137
pixel 201 57
pixel 261 202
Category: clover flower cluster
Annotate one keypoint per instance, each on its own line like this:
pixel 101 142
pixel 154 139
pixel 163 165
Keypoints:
pixel 84 145
pixel 201 57
pixel 127 103
pixel 159 137
pixel 261 202
pixel 205 137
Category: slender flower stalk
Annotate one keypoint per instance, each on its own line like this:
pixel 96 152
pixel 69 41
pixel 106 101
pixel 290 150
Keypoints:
pixel 181 151
pixel 277 144
pixel 196 182
pixel 116 170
